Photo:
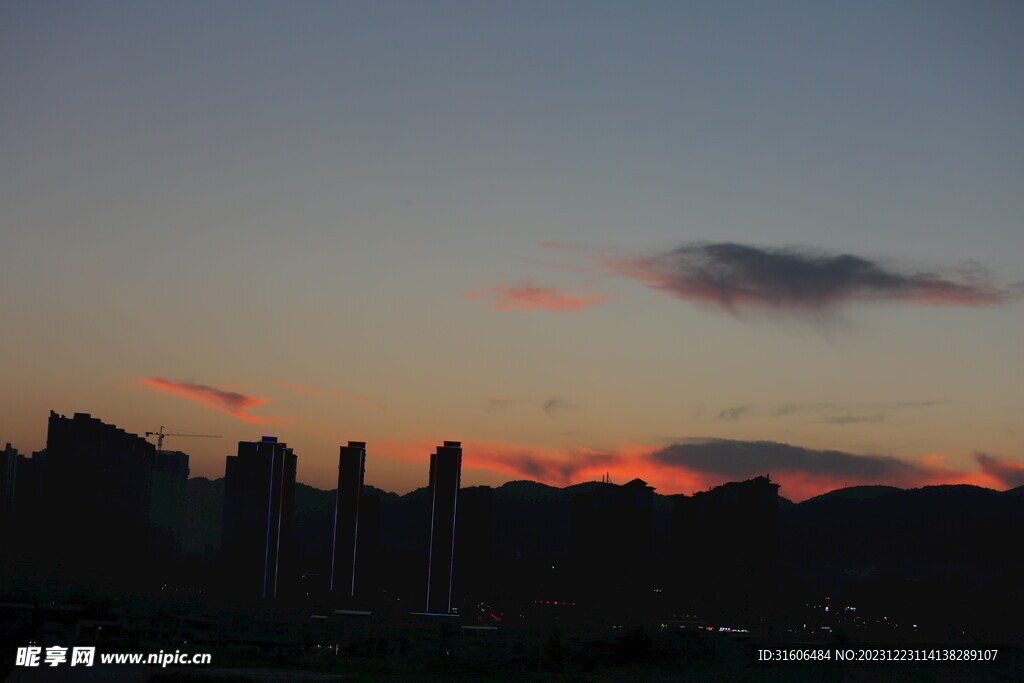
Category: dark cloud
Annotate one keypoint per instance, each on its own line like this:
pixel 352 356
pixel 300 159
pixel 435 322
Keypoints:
pixel 735 460
pixel 1010 474
pixel 737 276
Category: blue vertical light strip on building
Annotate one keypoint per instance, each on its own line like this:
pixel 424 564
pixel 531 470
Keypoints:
pixel 270 503
pixel 430 545
pixel 280 516
pixel 355 542
pixel 455 518
pixel 334 543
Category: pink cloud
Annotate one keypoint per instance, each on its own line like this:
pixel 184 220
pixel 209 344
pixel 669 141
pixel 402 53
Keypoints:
pixel 528 297
pixel 231 402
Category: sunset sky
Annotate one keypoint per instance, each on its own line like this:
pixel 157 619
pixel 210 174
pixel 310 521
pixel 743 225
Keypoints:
pixel 692 242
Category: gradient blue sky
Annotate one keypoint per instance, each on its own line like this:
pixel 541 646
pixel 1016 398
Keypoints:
pixel 251 195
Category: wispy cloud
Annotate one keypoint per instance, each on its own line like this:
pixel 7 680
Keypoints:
pixel 788 409
pixel 736 412
pixel 828 412
pixel 233 403
pixel 554 406
pixel 526 296
pixel 737 277
pixel 318 393
pixel 854 419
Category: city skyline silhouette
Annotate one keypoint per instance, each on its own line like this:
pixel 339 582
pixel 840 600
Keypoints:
pixel 101 517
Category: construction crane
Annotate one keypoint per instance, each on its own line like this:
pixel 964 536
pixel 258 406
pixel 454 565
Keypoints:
pixel 160 437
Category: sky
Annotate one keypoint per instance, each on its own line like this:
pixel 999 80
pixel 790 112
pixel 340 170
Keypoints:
pixel 691 242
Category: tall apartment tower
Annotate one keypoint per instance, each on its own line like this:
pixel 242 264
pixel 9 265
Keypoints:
pixel 351 468
pixel 97 491
pixel 259 496
pixel 445 477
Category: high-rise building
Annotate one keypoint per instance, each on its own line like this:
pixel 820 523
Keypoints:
pixel 445 477
pixel 97 484
pixel 259 495
pixel 351 469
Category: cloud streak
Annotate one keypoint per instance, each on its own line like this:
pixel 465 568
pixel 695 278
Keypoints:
pixel 231 402
pixel 555 406
pixel 529 297
pixel 737 277
pixel 828 413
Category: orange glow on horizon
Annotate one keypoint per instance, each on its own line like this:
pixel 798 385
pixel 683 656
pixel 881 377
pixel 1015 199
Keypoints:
pixel 562 467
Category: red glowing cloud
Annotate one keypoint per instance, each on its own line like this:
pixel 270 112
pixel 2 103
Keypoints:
pixel 527 297
pixel 231 402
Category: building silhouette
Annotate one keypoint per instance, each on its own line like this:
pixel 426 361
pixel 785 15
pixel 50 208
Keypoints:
pixel 345 556
pixel 114 501
pixel 259 495
pixel 474 576
pixel 726 541
pixel 445 477
pixel 168 481
pixel 611 544
pixel 9 458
